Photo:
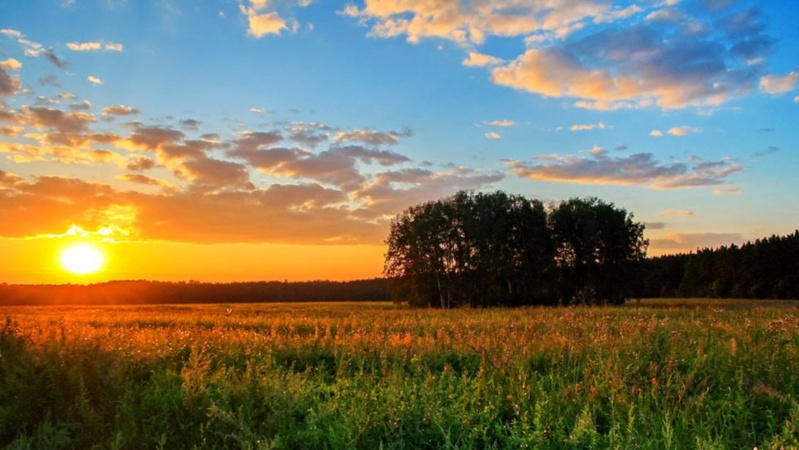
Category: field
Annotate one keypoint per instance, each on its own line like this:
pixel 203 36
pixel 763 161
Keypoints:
pixel 660 375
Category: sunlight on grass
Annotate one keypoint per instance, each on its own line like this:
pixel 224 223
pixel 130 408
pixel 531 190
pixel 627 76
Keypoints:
pixel 366 375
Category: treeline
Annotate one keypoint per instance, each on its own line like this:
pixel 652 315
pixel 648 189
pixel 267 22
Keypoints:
pixel 766 268
pixel 155 292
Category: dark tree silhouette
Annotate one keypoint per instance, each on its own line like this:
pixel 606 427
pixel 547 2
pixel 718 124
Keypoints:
pixel 598 247
pixel 766 268
pixel 499 249
pixel 470 249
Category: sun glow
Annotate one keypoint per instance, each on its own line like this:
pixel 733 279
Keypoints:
pixel 82 259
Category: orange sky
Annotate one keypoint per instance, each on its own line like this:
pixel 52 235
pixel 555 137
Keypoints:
pixel 259 140
pixel 37 261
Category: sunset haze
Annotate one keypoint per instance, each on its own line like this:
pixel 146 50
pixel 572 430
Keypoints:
pixel 276 140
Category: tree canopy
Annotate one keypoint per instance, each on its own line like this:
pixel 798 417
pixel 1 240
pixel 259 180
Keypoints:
pixel 765 268
pixel 490 249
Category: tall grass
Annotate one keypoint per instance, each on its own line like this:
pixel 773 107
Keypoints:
pixel 377 376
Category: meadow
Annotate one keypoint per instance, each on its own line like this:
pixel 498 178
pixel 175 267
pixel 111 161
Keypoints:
pixel 655 375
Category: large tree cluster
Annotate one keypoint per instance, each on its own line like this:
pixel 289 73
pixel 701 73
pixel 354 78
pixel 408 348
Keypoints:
pixel 491 249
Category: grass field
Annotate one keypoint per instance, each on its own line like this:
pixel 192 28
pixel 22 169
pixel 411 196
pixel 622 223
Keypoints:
pixel 662 375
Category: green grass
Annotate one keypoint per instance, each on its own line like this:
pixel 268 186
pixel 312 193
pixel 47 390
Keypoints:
pixel 351 375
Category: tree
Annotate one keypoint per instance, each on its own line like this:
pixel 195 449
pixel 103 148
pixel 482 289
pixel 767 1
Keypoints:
pixel 476 250
pixel 597 248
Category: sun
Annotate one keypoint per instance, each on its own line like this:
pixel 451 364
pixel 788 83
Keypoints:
pixel 82 259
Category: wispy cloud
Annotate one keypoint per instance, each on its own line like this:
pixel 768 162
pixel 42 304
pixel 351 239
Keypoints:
pixel 588 127
pixel 678 213
pixel 501 123
pixel 683 131
pixel 685 242
pixel 120 110
pixel 680 131
pixel 94 46
pixel 641 169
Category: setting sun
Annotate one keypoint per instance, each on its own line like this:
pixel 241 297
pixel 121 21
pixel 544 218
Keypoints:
pixel 82 259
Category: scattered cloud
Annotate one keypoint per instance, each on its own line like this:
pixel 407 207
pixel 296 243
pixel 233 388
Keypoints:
pixel 370 137
pixel 727 191
pixel 141 179
pixel 772 84
pixel 120 110
pixel 656 133
pixel 94 46
pixel 685 242
pixel 263 19
pixel 34 49
pixel 665 55
pixel 655 225
pixel 492 135
pixel 683 131
pixel 767 151
pixel 84 46
pixel 640 169
pixel 476 59
pixel 502 123
pixel 600 126
pixel 10 64
pixel 50 55
pixel 677 213
pixel 8 84
pixel 94 80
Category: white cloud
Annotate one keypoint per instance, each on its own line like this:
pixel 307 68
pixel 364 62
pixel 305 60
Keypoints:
pixel 492 135
pixel 94 80
pixel 683 131
pixel 600 126
pixel 772 84
pixel 84 46
pixel 656 133
pixel 502 123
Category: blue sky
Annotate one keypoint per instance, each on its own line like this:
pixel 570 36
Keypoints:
pixel 313 123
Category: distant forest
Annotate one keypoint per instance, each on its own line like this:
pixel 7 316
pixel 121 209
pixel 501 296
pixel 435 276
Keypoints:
pixel 157 292
pixel 765 268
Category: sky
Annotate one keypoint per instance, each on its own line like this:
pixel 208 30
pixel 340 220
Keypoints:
pixel 275 140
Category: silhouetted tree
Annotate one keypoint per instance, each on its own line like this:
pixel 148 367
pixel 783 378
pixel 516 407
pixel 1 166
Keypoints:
pixel 597 248
pixel 499 249
pixel 470 249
